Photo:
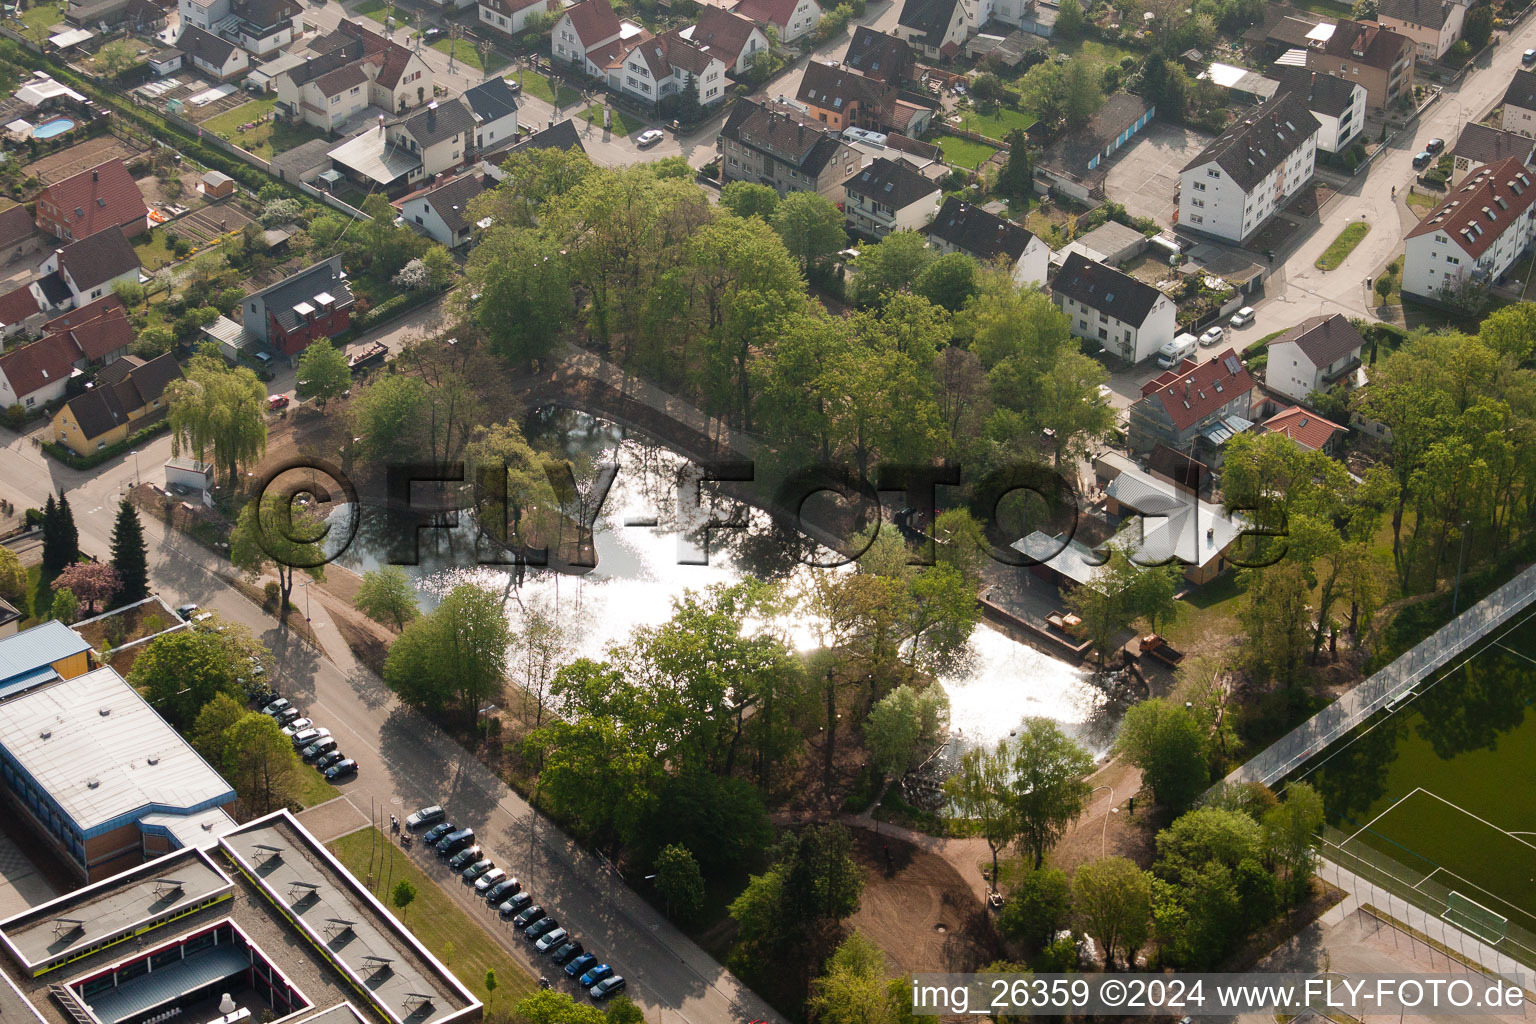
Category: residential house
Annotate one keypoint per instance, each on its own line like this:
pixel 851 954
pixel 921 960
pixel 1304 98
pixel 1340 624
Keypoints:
pixel 654 69
pixel 261 27
pixel 1479 145
pixel 1338 104
pixel 1312 356
pixel 885 58
pixel 36 374
pixel 730 37
pixel 1519 105
pixel 1250 171
pixel 1306 428
pixel 1129 318
pixel 1193 405
pixel 785 148
pixel 846 99
pixel 18 233
pixel 1381 60
pixel 1474 236
pixel 1075 163
pixel 791 19
pixel 218 58
pixel 1433 25
pixel 413 149
pixel 165 61
pixel 125 397
pixel 98 332
pixel 562 136
pixel 90 267
pixel 511 16
pixel 937 28
pixel 988 238
pixel 494 105
pixel 349 70
pixel 313 304
pixel 441 210
pixel 19 311
pixel 589 27
pixel 106 196
pixel 887 196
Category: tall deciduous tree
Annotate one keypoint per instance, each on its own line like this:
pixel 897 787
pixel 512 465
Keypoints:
pixel 524 283
pixel 130 556
pixel 261 763
pixel 181 672
pixel 1048 787
pixel 979 792
pixel 13 578
pixel 386 594
pixel 902 727
pixel 323 373
pixel 749 199
pixel 457 653
pixel 1292 839
pixel 277 534
pixel 811 227
pixel 213 721
pixel 219 411
pixel 854 988
pixel 1113 902
pixel 1164 740
pixel 679 881
pixel 92 582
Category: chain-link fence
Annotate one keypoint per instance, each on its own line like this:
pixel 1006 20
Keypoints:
pixel 1397 680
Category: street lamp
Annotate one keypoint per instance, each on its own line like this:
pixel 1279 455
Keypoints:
pixel 135 454
pixel 1104 831
pixel 305 586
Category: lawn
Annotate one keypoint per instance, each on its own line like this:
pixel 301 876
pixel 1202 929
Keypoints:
pixel 153 252
pixel 378 10
pixel 463 51
pixel 266 139
pixel 545 88
pixel 1210 610
pixel 39 18
pixel 440 923
pixel 1420 204
pixel 997 124
pixel 313 789
pixel 1094 50
pixel 1340 248
pixel 964 153
pixel 623 124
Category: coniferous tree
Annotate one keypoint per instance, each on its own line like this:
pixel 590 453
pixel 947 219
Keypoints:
pixel 130 557
pixel 51 562
pixel 69 535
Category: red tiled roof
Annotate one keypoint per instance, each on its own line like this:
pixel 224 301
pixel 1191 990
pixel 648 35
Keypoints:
pixel 106 196
pixel 16 306
pixel 1486 205
pixel 15 225
pixel 1191 396
pixel 39 364
pixel 1305 428
pixel 89 311
pixel 772 12
pixel 594 21
pixel 395 58
pixel 100 336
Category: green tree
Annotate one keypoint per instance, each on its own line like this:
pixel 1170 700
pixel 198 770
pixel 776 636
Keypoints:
pixel 130 556
pixel 61 540
pixel 524 283
pixel 1292 837
pixel 1039 906
pixel 948 282
pixel 1043 90
pixel 213 722
pixel 679 881
pixel 547 1006
pixel 1071 22
pixel 261 764
pixel 386 594
pixel 403 895
pixel 218 414
pixel 457 653
pixel 1119 594
pixel 388 412
pixel 854 989
pixel 323 373
pixel 179 673
pixel 91 582
pixel 903 726
pixel 1477 27
pixel 1274 616
pixel 1048 791
pixel 1016 181
pixel 490 985
pixel 749 199
pixel 13 578
pixel 622 1009
pixel 65 606
pixel 1112 899
pixel 891 265
pixel 1163 739
pixel 274 533
pixel 811 227
pixel 979 793
pixel 1083 94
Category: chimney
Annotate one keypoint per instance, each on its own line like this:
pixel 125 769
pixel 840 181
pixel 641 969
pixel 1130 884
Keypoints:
pixel 95 174
pixel 432 117
pixel 381 124
pixel 1186 389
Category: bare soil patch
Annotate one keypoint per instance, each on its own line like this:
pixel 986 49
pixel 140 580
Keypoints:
pixel 132 623
pixel 82 156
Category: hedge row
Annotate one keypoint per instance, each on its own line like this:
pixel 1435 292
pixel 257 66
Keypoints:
pixel 392 307
pixel 111 451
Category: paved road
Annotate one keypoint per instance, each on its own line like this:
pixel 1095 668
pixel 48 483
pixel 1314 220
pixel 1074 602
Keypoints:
pixel 405 762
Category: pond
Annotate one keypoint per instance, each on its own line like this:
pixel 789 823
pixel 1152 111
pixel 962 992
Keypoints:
pixel 637 576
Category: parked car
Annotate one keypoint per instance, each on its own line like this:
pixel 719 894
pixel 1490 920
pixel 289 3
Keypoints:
pixel 516 905
pixel 437 832
pixel 1434 145
pixel 453 842
pixel 276 706
pixel 565 951
pixel 298 725
pixel 607 987
pixel 342 769
pixel 528 916
pixel 288 716
pixel 1211 337
pixel 1242 318
pixel 335 757
pixel 580 963
pixel 276 402
pixel 649 138
pixel 502 890
pixel 483 868
pixel 540 927
pixel 550 939
pixel 595 975
pixel 424 817
pixel 318 749
pixel 186 611
pixel 464 858
pixel 1421 160
pixel 1528 58
pixel 309 736
pixel 431 34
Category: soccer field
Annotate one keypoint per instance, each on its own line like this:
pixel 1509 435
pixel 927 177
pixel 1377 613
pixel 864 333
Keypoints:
pixel 1440 791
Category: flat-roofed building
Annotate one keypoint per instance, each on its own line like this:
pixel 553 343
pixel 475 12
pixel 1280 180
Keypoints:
pixel 43 654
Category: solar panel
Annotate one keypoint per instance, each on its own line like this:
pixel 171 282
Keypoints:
pixel 1232 364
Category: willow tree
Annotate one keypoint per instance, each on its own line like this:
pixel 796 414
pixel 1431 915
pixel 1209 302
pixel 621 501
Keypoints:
pixel 219 411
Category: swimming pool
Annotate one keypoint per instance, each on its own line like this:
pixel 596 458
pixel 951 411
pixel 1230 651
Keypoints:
pixel 58 126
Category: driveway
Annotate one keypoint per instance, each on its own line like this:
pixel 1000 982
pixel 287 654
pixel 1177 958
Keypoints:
pixel 1144 176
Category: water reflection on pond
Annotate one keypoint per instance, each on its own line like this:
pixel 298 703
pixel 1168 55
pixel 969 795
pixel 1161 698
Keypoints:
pixel 637 576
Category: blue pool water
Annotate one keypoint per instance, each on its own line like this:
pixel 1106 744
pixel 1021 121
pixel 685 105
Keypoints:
pixel 58 126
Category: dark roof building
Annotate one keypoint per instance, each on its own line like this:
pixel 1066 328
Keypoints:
pixel 40 365
pixel 1255 145
pixel 441 211
pixel 1322 93
pixel 892 182
pixel 314 303
pixel 781 146
pixel 562 136
pixel 1426 13
pixel 437 122
pixel 90 264
pixel 134 395
pixel 988 238
pixel 1096 286
pixel 1521 91
pixel 16 227
pixel 492 99
pixel 930 22
pixel 879 55
pixel 1484 144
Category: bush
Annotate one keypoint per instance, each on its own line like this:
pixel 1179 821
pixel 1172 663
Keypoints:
pixel 34 517
pixel 15 416
pixel 111 451
pixel 272 593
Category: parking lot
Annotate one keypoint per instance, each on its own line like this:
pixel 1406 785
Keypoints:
pixel 1145 175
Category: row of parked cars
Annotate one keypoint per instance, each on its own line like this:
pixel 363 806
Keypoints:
pixel 457 847
pixel 315 744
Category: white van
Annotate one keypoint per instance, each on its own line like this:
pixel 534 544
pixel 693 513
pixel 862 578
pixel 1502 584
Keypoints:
pixel 1177 350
